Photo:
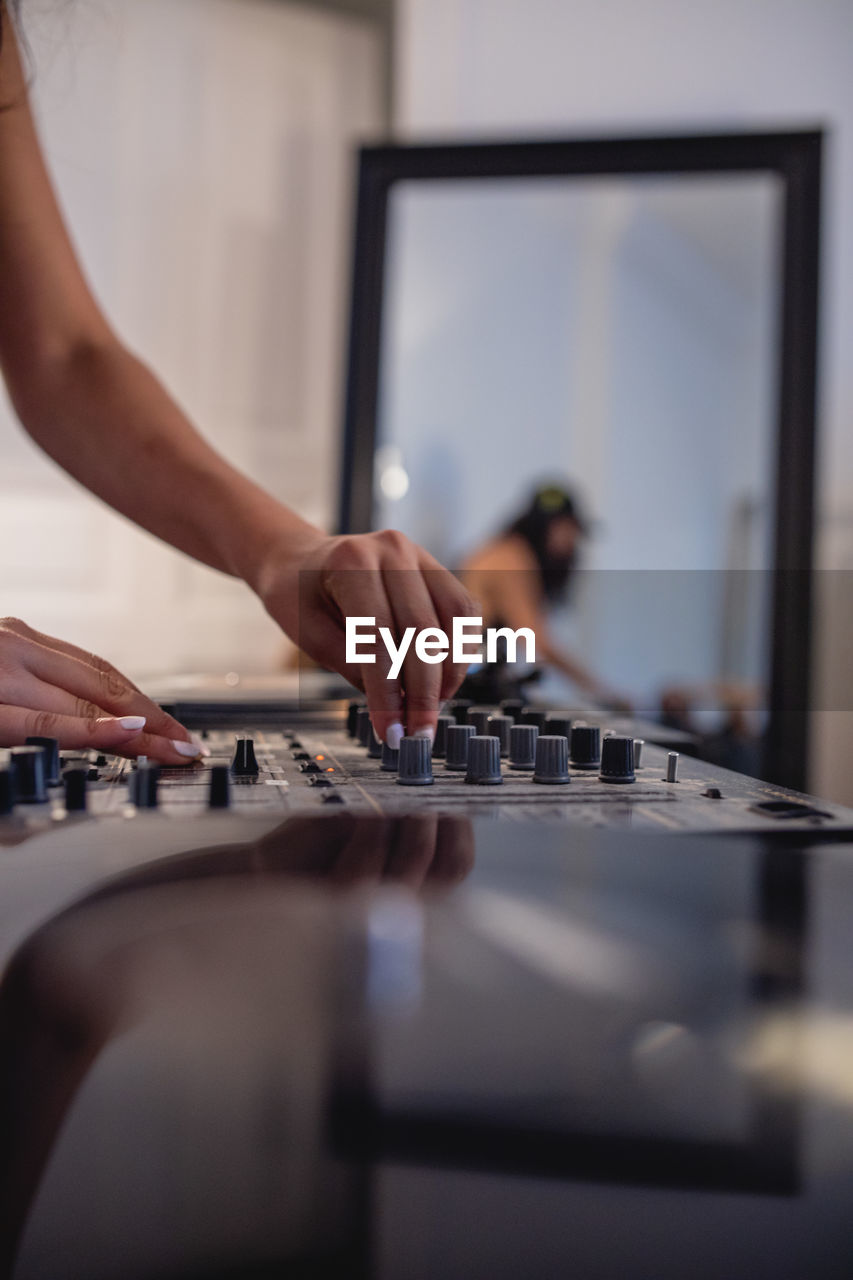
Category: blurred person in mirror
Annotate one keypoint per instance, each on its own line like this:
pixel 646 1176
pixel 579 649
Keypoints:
pixel 525 571
pixel 96 409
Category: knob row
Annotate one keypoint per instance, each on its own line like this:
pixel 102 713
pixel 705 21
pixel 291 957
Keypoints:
pixel 479 756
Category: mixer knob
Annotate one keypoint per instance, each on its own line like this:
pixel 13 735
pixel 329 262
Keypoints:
pixel 27 765
pixel 415 762
pixel 522 746
pixel 558 724
pixel 390 759
pixel 512 707
pixel 532 715
pixel 143 785
pixel 586 746
pixel 439 746
pixel 363 726
pixel 458 708
pixel 484 761
pixel 552 759
pixel 244 764
pixel 219 788
pixel 458 737
pixel 75 782
pixel 7 790
pixel 479 718
pixel 352 718
pixel 671 766
pixel 374 746
pixel 499 727
pixel 639 743
pixel 617 759
pixel 50 747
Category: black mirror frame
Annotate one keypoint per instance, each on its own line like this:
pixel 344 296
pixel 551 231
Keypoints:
pixel 795 158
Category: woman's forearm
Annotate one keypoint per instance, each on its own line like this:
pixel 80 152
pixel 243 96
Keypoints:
pixel 104 417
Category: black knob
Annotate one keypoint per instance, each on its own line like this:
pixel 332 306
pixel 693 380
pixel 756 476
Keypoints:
pixel 219 787
pixel 363 726
pixel 390 759
pixel 512 707
pixel 458 737
pixel 27 765
pixel 75 782
pixel 50 747
pixel 352 717
pixel 586 746
pixel 7 790
pixel 522 746
pixel 439 746
pixel 617 759
pixel 479 718
pixel 552 759
pixel 499 727
pixel 144 782
pixel 374 746
pixel 484 761
pixel 415 762
pixel 556 724
pixel 458 708
pixel 531 715
pixel 244 764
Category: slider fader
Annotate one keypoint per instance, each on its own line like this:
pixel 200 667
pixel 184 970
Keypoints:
pixel 513 762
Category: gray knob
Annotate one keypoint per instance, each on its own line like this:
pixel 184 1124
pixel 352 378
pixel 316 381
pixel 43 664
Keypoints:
pixel 439 746
pixel 458 737
pixel 672 766
pixel 560 725
pixel 586 746
pixel 484 761
pixel 75 782
pixel 499 727
pixel 532 715
pixel 617 759
pixel 552 759
pixel 363 726
pixel 50 747
pixel 144 782
pixel 390 759
pixel 522 746
pixel 219 787
pixel 352 718
pixel 27 765
pixel 479 718
pixel 374 746
pixel 512 707
pixel 458 708
pixel 639 743
pixel 415 763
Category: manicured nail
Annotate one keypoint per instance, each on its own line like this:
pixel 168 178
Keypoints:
pixel 426 732
pixel 202 749
pixel 186 748
pixel 394 735
pixel 132 722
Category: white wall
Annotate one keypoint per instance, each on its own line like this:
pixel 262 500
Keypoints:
pixel 202 150
pixel 531 67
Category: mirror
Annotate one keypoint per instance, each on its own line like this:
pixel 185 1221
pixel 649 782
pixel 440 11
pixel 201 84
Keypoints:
pixel 617 323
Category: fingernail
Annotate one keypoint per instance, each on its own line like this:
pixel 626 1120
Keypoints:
pixel 132 722
pixel 202 749
pixel 186 748
pixel 426 732
pixel 394 735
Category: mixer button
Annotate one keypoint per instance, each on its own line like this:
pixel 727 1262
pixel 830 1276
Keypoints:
pixel 458 737
pixel 363 726
pixel 617 759
pixel 532 715
pixel 479 718
pixel 144 784
pixel 458 708
pixel 522 746
pixel 75 782
pixel 27 765
pixel 484 761
pixel 439 746
pixel 512 707
pixel 374 746
pixel 552 759
pixel 352 718
pixel 7 790
pixel 499 727
pixel 219 787
pixel 244 764
pixel 672 766
pixel 585 746
pixel 415 762
pixel 557 724
pixel 639 743
pixel 50 747
pixel 390 759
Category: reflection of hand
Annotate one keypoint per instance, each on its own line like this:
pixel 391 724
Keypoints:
pixel 314 582
pixel 51 689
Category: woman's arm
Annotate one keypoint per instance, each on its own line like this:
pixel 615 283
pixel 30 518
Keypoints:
pixel 104 417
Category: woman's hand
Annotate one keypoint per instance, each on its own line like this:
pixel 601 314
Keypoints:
pixel 51 689
pixel 312 582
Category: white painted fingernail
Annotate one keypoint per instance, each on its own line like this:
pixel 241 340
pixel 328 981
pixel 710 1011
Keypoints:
pixel 186 748
pixel 202 749
pixel 426 732
pixel 132 722
pixel 395 735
